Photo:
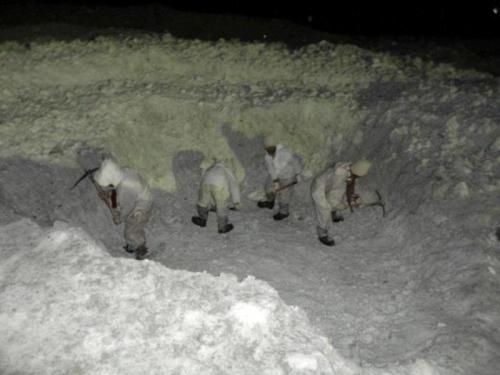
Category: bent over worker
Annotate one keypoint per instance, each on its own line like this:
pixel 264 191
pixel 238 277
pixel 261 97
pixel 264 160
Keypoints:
pixel 129 199
pixel 284 168
pixel 219 191
pixel 333 190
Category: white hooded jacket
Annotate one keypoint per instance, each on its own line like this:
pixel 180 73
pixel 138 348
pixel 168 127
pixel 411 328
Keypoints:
pixel 223 179
pixel 328 189
pixel 284 165
pixel 132 191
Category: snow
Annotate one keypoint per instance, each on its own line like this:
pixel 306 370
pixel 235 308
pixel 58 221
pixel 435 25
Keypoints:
pixel 414 293
pixel 67 306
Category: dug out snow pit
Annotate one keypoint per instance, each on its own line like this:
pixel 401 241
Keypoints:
pixel 74 309
pixel 43 193
pixel 417 287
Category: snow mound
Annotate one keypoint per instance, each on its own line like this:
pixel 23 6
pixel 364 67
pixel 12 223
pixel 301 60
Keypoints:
pixel 68 307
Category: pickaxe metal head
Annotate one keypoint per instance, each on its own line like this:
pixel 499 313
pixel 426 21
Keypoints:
pixel 380 202
pixel 86 174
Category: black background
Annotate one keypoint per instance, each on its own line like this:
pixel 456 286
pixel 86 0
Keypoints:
pixel 451 18
pixel 446 18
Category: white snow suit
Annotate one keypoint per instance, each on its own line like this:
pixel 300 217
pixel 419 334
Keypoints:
pixel 328 191
pixel 283 168
pixel 218 191
pixel 134 200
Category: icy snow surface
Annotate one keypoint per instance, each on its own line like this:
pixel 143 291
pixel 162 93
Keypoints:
pixel 414 293
pixel 68 307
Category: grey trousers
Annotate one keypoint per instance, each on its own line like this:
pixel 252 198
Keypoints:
pixel 222 218
pixel 215 198
pixel 283 196
pixel 323 216
pixel 135 222
pixel 324 210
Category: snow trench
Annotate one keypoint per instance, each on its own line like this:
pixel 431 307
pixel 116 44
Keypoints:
pixel 402 299
pixel 420 284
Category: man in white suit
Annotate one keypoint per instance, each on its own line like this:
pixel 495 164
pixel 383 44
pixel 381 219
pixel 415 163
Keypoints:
pixel 129 199
pixel 219 191
pixel 333 191
pixel 284 168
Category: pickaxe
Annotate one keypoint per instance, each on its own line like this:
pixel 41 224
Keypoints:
pixel 105 196
pixel 286 186
pixel 380 203
pixel 86 174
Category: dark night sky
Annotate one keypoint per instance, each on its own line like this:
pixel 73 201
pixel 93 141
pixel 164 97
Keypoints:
pixel 480 17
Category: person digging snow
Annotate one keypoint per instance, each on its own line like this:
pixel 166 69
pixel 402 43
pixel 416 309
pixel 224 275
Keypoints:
pixel 284 168
pixel 129 199
pixel 333 191
pixel 218 191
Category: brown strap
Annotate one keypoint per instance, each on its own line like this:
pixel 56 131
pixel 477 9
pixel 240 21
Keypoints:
pixel 108 197
pixel 351 195
pixel 113 199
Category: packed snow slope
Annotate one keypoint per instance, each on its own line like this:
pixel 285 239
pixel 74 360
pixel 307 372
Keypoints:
pixel 146 98
pixel 68 307
pixel 422 284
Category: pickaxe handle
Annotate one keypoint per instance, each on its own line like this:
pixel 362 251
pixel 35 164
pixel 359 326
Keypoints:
pixel 286 186
pixel 379 203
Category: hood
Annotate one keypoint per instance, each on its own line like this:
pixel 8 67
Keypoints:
pixel 108 174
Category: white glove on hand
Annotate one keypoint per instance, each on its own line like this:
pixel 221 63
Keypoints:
pixel 276 186
pixel 117 217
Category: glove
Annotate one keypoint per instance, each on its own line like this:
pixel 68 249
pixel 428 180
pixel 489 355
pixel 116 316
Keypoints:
pixel 356 200
pixel 117 217
pixel 276 186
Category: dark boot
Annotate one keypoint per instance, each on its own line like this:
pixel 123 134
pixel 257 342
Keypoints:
pixel 128 248
pixel 223 225
pixel 283 212
pixel 268 202
pixel 280 216
pixel 337 218
pixel 326 241
pixel 141 252
pixel 227 228
pixel 199 221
